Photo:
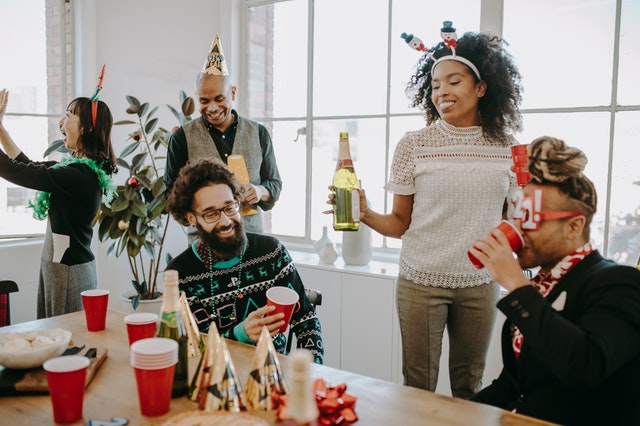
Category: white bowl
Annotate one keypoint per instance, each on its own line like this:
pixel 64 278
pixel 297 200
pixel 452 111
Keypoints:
pixel 30 349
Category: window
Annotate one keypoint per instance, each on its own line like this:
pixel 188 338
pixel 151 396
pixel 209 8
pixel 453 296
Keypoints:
pixel 577 75
pixel 314 72
pixel 34 41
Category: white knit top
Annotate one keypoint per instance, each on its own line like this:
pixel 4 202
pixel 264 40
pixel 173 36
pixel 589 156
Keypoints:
pixel 459 180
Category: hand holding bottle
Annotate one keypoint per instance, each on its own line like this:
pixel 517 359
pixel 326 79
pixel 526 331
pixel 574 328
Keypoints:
pixel 331 200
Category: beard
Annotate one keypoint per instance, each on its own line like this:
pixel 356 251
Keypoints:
pixel 226 248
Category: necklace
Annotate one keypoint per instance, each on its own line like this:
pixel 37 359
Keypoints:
pixel 235 282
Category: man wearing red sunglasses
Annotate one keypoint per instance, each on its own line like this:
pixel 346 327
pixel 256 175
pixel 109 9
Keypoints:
pixel 571 341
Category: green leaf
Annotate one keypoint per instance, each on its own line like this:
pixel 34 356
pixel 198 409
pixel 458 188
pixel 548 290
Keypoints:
pixel 153 111
pixel 175 113
pixel 135 301
pixel 119 204
pixel 138 208
pixel 148 128
pixel 150 249
pixel 56 146
pixel 129 148
pixel 137 287
pixel 138 161
pixel 118 123
pixel 188 107
pixel 158 188
pixel 122 163
pixel 133 101
pixel 143 109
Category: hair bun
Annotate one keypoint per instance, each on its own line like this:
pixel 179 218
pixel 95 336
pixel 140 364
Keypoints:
pixel 552 160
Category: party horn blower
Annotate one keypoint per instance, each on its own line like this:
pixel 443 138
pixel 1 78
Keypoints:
pixel 236 164
pixel 223 390
pixel 265 377
pixel 195 345
pixel 205 365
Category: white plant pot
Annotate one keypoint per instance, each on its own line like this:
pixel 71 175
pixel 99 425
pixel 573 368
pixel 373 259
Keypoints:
pixel 151 306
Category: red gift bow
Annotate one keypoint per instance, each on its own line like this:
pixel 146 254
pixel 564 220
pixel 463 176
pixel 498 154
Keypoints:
pixel 334 404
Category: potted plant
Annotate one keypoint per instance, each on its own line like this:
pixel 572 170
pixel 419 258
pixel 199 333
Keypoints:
pixel 135 220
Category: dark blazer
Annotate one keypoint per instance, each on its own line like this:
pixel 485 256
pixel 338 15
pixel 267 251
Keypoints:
pixel 580 360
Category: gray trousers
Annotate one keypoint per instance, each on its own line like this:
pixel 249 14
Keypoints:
pixel 467 313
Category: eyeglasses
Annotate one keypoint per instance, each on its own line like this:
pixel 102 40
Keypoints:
pixel 214 215
pixel 528 210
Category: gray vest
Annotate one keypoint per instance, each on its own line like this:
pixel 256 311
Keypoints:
pixel 247 143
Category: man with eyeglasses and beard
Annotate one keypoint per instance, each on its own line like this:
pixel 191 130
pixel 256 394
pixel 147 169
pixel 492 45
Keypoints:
pixel 226 272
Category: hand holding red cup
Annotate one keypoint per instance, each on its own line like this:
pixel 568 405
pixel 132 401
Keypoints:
pixel 286 301
pixel 513 235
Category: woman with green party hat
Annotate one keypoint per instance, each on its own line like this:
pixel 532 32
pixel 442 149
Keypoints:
pixel 69 195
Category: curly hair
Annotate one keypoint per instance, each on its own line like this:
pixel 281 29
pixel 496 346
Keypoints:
pixel 499 107
pixel 191 178
pixel 553 162
pixel 95 142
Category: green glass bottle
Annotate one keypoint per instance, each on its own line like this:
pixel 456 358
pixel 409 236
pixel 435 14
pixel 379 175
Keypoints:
pixel 346 210
pixel 172 327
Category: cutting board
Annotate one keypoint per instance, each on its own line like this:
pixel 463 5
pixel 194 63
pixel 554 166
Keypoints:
pixel 34 381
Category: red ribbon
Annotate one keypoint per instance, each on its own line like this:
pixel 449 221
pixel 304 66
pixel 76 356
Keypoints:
pixel 334 404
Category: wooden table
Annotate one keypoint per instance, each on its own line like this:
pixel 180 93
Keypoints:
pixel 112 393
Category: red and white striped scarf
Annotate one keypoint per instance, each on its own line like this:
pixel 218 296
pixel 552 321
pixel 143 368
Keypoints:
pixel 544 283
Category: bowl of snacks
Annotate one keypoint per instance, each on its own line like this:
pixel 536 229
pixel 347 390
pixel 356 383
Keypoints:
pixel 30 349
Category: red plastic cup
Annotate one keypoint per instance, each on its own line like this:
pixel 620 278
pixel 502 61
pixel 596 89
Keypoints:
pixel 154 390
pixel 140 325
pixel 95 304
pixel 515 241
pixel 519 149
pixel 520 157
pixel 154 360
pixel 66 376
pixel 286 301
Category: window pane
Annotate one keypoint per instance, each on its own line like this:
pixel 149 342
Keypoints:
pixel 278 60
pixel 628 83
pixel 367 143
pixel 423 20
pixel 350 57
pixel 564 50
pixel 590 133
pixel 22 29
pixel 288 216
pixel 624 223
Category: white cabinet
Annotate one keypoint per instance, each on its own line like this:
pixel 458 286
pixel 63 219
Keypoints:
pixel 357 315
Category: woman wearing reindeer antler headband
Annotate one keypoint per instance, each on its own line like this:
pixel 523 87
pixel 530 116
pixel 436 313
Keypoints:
pixel 450 182
pixel 70 194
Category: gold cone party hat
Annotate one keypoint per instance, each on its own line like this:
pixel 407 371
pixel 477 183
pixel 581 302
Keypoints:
pixel 265 377
pixel 205 365
pixel 215 64
pixel 195 345
pixel 223 390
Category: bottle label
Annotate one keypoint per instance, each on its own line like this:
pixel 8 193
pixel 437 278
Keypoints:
pixel 355 205
pixel 347 162
pixel 170 319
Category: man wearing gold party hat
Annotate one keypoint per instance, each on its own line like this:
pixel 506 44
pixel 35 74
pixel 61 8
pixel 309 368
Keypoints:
pixel 220 133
